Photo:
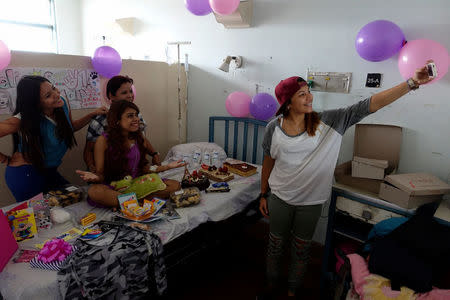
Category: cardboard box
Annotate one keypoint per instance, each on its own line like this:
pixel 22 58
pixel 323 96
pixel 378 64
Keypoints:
pixel 419 184
pixel 374 141
pixel 369 168
pixel 401 198
pixel 343 175
pixel 413 190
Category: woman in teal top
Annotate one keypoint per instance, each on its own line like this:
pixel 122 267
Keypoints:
pixel 42 129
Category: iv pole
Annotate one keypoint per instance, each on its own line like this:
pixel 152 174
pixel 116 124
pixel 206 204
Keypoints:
pixel 179 87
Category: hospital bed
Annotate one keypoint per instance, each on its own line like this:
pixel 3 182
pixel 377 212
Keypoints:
pixel 195 231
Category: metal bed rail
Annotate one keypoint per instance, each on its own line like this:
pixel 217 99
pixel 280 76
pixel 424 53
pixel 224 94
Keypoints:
pixel 235 123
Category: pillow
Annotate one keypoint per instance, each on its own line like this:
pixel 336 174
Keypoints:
pixel 142 186
pixel 190 150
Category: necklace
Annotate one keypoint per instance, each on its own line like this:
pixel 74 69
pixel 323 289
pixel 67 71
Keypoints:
pixel 295 129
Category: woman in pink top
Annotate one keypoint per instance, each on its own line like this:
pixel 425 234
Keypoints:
pixel 121 152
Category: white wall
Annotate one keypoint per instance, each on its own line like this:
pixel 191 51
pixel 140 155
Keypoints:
pixel 288 37
pixel 68 26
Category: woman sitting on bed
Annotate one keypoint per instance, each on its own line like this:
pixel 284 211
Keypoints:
pixel 120 152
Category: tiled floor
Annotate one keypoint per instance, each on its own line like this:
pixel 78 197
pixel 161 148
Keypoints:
pixel 236 270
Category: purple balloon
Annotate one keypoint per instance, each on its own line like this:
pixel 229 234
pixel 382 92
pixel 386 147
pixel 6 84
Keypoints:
pixel 198 7
pixel 106 61
pixel 263 106
pixel 379 40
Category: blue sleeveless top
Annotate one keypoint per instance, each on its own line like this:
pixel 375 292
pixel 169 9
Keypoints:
pixel 53 148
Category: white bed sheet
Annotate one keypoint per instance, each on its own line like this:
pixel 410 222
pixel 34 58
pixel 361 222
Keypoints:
pixel 20 281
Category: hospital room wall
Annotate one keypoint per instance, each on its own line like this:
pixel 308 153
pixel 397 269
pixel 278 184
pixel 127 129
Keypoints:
pixel 286 38
pixel 156 96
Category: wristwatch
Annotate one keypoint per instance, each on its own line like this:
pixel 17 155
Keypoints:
pixel 412 84
pixel 154 153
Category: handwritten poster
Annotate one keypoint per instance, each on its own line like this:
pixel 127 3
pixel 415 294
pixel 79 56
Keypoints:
pixel 80 87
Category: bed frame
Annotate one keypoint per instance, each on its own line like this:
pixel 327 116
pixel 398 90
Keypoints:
pixel 237 124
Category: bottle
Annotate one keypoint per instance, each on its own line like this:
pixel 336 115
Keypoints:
pixel 215 159
pixel 187 159
pixel 196 158
pixel 206 158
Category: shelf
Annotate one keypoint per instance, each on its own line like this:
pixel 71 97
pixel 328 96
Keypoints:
pixel 351 227
pixel 358 239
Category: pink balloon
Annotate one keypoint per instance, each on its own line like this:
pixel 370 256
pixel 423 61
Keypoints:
pixel 133 88
pixel 238 104
pixel 224 7
pixel 5 55
pixel 415 54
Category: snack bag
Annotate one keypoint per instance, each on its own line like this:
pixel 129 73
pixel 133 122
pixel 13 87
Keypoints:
pixel 41 211
pixel 23 224
pixel 185 197
pixel 64 196
pixel 25 256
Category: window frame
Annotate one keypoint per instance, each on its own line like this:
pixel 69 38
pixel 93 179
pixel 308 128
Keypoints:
pixel 52 27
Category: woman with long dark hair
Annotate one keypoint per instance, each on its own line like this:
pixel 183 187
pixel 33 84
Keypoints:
pixel 42 129
pixel 119 152
pixel 118 88
pixel 301 148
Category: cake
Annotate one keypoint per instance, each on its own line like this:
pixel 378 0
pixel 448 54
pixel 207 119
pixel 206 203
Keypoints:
pixel 242 169
pixel 195 179
pixel 221 174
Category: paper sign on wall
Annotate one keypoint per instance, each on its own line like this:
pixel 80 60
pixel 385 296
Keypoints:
pixel 81 87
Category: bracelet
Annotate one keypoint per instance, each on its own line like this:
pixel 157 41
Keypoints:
pixel 412 84
pixel 263 195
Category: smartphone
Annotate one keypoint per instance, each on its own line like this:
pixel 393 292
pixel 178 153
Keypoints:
pixel 432 70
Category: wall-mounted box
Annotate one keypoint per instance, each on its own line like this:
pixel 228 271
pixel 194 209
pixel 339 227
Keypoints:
pixel 241 18
pixel 332 82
